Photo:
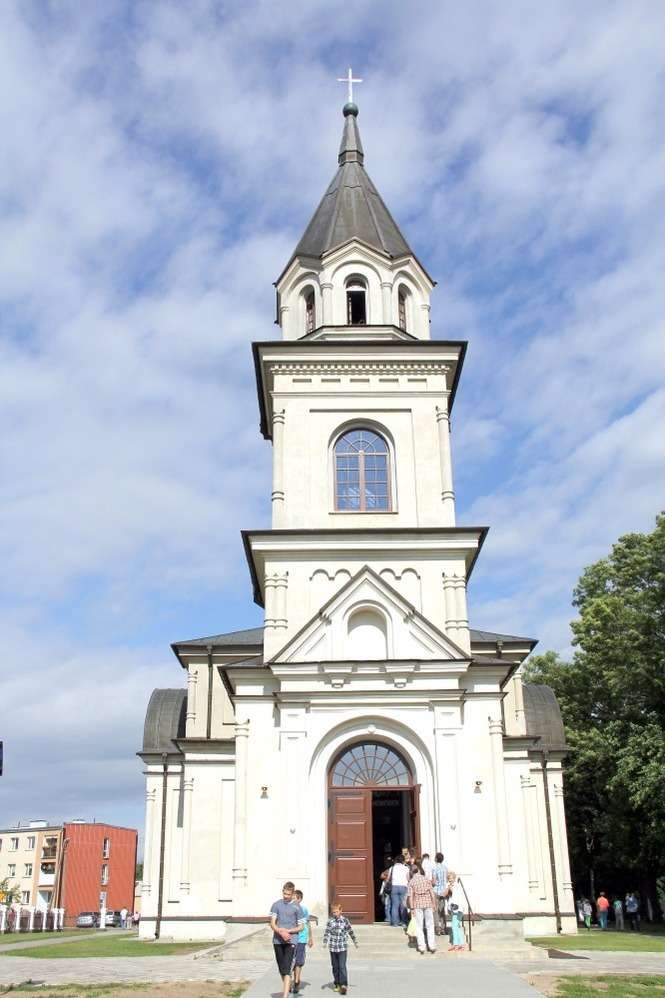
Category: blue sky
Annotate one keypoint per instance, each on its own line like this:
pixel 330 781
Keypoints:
pixel 159 162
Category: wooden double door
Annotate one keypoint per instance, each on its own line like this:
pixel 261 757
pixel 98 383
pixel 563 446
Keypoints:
pixel 356 850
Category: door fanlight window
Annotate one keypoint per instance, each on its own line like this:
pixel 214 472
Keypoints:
pixel 370 764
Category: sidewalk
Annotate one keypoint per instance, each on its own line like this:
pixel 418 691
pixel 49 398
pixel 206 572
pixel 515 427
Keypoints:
pixel 109 970
pixel 425 979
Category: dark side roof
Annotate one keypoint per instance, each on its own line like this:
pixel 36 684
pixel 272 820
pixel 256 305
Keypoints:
pixel 253 636
pixel 543 716
pixel 164 720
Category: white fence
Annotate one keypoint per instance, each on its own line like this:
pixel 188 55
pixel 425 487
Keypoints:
pixel 27 918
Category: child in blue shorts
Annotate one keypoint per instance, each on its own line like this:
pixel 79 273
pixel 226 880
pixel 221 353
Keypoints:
pixel 304 939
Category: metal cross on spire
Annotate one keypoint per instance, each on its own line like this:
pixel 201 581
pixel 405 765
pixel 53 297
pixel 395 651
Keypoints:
pixel 349 79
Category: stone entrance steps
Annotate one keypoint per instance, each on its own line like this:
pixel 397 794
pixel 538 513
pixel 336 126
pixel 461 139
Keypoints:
pixel 376 942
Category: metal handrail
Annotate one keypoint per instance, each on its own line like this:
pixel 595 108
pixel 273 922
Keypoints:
pixel 468 904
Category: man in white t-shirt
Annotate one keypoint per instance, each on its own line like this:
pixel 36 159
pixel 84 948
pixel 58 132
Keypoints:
pixel 399 881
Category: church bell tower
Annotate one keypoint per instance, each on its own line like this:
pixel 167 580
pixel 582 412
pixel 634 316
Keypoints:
pixel 356 399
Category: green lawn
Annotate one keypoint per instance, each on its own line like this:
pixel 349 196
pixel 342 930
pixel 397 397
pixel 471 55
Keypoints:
pixel 610 986
pixel 626 942
pixel 106 946
pixel 26 937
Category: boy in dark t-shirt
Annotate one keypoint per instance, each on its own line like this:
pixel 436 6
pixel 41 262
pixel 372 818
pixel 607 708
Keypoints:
pixel 286 921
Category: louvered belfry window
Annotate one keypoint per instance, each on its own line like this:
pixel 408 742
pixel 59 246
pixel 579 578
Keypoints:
pixel 362 478
pixel 370 764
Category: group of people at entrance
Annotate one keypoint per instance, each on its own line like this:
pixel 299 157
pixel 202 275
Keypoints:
pixel 630 905
pixel 291 923
pixel 422 897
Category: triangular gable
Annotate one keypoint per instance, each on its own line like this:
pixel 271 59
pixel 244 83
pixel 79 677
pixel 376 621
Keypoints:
pixel 329 635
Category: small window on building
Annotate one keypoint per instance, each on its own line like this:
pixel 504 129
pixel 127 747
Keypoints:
pixel 11 869
pixel 31 842
pixel 25 897
pixel 356 301
pixel 401 308
pixel 0 845
pixel 13 845
pixel 106 849
pixel 28 870
pixel 362 475
pixel 310 316
pixel 105 873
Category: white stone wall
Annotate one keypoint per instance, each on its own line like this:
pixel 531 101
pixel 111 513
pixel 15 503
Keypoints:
pixel 480 802
pixel 314 402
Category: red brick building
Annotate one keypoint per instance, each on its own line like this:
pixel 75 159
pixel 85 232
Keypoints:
pixel 97 863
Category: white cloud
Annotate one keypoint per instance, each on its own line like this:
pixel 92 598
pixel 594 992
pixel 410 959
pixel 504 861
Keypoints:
pixel 158 164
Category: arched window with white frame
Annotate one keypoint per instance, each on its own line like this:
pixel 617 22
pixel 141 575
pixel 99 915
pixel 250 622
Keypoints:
pixel 402 296
pixel 310 309
pixel 356 301
pixel 362 472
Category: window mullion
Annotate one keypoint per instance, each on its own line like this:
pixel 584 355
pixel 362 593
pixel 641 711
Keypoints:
pixel 361 479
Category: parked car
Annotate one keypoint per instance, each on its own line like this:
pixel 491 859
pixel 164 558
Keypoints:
pixel 112 918
pixel 87 920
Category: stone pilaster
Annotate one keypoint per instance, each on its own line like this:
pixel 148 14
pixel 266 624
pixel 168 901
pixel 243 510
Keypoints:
pixel 278 495
pixel 187 794
pixel 445 459
pixel 505 867
pixel 240 816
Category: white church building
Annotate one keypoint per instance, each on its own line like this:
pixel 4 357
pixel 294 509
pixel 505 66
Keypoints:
pixel 366 714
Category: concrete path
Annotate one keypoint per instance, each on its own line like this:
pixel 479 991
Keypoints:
pixel 107 970
pixel 460 976
pixel 588 962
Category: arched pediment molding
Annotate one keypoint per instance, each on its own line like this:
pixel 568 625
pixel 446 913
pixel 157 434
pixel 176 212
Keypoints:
pixel 379 728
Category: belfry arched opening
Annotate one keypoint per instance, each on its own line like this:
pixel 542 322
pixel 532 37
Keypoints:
pixel 372 814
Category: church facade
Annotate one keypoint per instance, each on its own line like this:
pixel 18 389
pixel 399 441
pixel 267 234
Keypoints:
pixel 366 714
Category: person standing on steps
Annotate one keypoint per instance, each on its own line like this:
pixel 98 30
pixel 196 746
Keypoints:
pixel 286 921
pixel 386 886
pixel 427 865
pixel 399 881
pixel 335 937
pixel 422 901
pixel 304 939
pixel 440 884
pixel 456 909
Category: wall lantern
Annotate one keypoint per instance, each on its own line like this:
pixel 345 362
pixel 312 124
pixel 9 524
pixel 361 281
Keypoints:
pixel 479 787
pixel 264 793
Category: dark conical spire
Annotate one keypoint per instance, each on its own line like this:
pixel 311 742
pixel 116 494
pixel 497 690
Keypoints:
pixel 351 148
pixel 352 208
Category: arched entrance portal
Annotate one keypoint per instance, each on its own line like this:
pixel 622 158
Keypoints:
pixel 372 813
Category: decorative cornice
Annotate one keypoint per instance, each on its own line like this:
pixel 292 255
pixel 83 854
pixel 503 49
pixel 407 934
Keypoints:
pixel 359 367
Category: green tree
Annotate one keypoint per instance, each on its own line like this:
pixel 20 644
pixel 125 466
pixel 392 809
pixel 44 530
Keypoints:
pixel 9 893
pixel 612 698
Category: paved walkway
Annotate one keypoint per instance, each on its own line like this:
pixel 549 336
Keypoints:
pixel 465 975
pixel 107 970
pixel 460 977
